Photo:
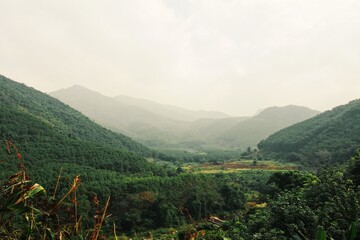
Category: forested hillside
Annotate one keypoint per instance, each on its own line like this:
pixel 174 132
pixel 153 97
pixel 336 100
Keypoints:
pixel 53 135
pixel 328 138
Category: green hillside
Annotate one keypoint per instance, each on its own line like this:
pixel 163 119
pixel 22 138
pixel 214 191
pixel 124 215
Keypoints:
pixel 249 132
pixel 330 137
pixel 54 135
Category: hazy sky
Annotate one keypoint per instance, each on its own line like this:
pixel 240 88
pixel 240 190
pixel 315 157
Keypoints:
pixel 228 55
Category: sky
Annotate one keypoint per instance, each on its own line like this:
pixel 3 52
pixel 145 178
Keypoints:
pixel 234 56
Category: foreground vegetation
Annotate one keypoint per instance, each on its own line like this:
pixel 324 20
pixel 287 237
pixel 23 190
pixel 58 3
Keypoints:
pixel 254 204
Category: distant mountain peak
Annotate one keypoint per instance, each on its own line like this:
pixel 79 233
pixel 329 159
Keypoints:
pixel 79 87
pixel 78 90
pixel 250 131
pixel 288 110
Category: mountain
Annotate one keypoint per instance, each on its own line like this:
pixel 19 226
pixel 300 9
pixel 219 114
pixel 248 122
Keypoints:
pixel 252 130
pixel 330 137
pixel 154 124
pixel 211 129
pixel 159 125
pixel 131 120
pixel 53 135
pixel 169 111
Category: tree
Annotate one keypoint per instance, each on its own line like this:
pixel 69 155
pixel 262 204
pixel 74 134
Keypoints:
pixel 353 168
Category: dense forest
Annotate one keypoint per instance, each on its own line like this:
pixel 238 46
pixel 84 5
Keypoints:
pixel 247 205
pixel 328 138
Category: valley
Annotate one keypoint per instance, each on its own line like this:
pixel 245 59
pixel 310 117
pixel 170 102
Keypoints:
pixel 164 126
pixel 199 176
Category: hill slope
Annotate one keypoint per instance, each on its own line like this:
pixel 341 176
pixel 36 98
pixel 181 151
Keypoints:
pixel 250 131
pixel 53 135
pixel 330 137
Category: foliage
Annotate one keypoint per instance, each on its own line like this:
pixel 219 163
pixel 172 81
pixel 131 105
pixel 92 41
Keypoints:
pixel 205 155
pixel 353 169
pixel 331 202
pixel 137 204
pixel 28 212
pixel 300 206
pixel 290 180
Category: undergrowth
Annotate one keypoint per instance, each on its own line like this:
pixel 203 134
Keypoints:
pixel 28 211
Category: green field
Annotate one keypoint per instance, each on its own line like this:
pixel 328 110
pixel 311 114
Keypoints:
pixel 240 165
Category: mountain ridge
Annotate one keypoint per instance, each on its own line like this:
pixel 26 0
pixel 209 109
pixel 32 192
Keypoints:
pixel 175 112
pixel 251 131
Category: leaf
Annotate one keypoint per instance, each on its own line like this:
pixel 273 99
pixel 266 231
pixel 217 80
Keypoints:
pixel 19 209
pixel 34 189
pixel 320 234
pixel 352 233
pixel 50 234
pixel 296 237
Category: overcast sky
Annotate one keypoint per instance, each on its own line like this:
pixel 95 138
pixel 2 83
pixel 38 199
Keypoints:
pixel 227 55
